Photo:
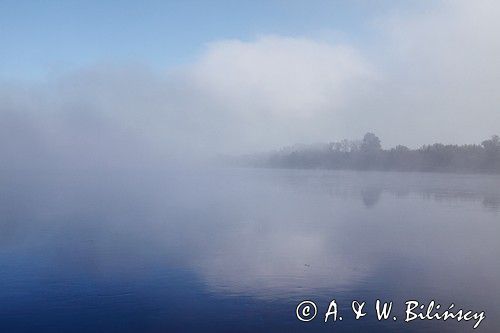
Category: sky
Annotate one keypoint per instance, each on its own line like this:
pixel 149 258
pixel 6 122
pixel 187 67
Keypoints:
pixel 200 77
pixel 58 35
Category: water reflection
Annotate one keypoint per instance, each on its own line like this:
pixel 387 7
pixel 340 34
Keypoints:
pixel 492 202
pixel 370 186
pixel 123 242
pixel 371 196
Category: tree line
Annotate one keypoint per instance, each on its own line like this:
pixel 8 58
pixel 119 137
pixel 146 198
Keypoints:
pixel 367 154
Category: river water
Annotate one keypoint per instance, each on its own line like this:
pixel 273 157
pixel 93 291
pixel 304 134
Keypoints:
pixel 236 250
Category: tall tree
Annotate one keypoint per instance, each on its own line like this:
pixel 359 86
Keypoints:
pixel 370 143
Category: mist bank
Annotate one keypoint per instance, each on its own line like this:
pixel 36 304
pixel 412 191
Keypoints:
pixel 368 154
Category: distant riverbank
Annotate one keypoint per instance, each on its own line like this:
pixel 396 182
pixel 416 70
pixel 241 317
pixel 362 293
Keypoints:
pixel 367 154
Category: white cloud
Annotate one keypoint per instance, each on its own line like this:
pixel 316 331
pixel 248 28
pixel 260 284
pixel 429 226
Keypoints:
pixel 280 76
pixel 276 90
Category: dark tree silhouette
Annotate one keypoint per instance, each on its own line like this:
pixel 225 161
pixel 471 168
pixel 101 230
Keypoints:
pixel 371 143
pixel 368 154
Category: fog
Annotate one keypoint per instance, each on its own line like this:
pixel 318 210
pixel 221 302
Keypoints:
pixel 422 76
pixel 116 215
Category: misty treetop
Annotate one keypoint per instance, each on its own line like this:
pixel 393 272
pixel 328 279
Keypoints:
pixel 367 154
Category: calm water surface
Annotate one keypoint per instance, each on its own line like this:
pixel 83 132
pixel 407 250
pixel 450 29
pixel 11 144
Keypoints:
pixel 236 250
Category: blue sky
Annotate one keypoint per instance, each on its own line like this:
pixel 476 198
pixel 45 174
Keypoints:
pixel 41 37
